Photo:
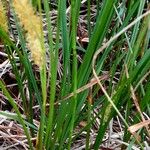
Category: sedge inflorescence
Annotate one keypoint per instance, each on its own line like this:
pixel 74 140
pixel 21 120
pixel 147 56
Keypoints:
pixel 3 18
pixel 32 24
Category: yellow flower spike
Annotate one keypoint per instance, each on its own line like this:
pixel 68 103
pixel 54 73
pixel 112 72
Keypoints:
pixel 32 24
pixel 3 18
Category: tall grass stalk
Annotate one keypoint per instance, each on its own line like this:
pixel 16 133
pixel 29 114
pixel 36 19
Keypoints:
pixel 53 73
pixel 74 67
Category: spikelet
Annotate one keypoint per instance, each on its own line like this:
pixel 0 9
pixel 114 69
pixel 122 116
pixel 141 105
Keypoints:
pixel 3 18
pixel 33 26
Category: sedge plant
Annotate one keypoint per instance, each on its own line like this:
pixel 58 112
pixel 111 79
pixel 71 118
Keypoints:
pixel 111 81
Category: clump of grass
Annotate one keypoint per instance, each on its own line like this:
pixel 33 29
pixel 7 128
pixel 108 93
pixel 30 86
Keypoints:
pixel 108 88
